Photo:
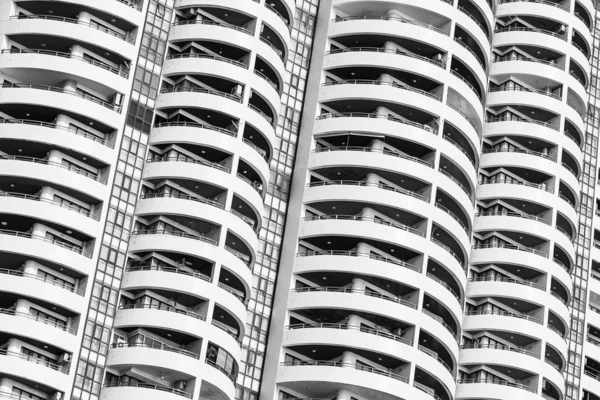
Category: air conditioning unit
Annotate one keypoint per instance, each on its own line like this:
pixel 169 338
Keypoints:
pixel 438 57
pixel 64 358
pixel 57 396
pixel 237 91
pixel 180 385
pixel 563 28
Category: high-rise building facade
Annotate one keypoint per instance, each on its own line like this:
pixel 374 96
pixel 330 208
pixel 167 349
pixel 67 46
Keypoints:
pixel 438 238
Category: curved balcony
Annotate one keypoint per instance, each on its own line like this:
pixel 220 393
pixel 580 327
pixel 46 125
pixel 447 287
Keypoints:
pixel 218 138
pixel 349 376
pixel 95 34
pixel 66 64
pixel 51 96
pixel 376 304
pixel 184 362
pixel 385 268
pixel 34 369
pixel 186 284
pixel 494 389
pixel 177 319
pixel 134 390
pixel 45 289
pixel 370 340
pixel 213 174
pixel 60 136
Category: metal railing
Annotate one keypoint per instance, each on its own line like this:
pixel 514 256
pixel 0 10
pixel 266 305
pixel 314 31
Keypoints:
pixel 77 170
pixel 29 235
pixel 176 234
pixel 233 97
pixel 232 377
pixel 257 110
pixel 509 280
pixel 70 207
pixel 349 253
pixel 207 56
pixel 465 116
pixel 496 382
pixel 434 355
pixel 196 125
pixel 332 289
pixel 521 151
pixel 519 119
pixel 241 256
pixel 173 270
pixel 371 331
pixel 469 84
pixel 427 389
pixel 509 247
pixel 377 116
pixel 512 214
pixel 189 161
pixel 155 346
pixel 470 50
pixel 524 89
pixel 453 179
pixel 454 216
pixel 365 219
pixel 35 360
pixel 462 150
pixel 255 185
pixel 392 18
pixel 493 181
pixel 132 4
pixel 61 54
pixel 343 364
pixel 370 184
pixel 272 46
pixel 444 284
pixel 372 150
pixel 52 322
pixel 90 24
pixel 213 23
pixel 578 47
pixel 378 82
pixel 484 29
pixel 504 314
pixel 390 51
pixel 266 78
pixel 76 131
pixel 441 321
pixel 548 3
pixel 535 60
pixel 272 9
pixel 247 220
pixel 499 346
pixel 144 385
pixel 260 151
pixel 449 250
pixel 110 106
pixel 162 307
pixel 61 284
pixel 183 197
pixel 238 294
pixel 528 29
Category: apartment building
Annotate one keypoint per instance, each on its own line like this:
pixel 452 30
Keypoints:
pixel 334 199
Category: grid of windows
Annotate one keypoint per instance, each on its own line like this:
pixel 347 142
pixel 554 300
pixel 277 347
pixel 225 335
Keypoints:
pixel 276 202
pixel 113 251
pixel 580 273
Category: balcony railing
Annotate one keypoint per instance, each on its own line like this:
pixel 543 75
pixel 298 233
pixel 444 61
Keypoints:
pixel 513 215
pixel 370 331
pixel 509 247
pixel 535 60
pixel 144 385
pixel 521 151
pixel 545 2
pixel 382 83
pixel 241 256
pixel 450 213
pixel 196 125
pixel 173 270
pixel 445 285
pixel 439 359
pixel 457 182
pixel 509 280
pixel 157 346
pixel 442 322
pixel 90 24
pixel 208 57
pixel 500 347
pixel 213 23
pixel 519 119
pixel 162 307
pixel 528 29
pixel 365 219
pixel 462 150
pixel 504 314
pixel 52 322
pixel 232 376
pixel 77 170
pixel 342 364
pixel 71 129
pixel 378 116
pixel 176 234
pixel 404 53
pixel 370 184
pixel 350 290
pixel 272 46
pixel 184 159
pixel 69 207
pixel 349 253
pixel 212 92
pixel 449 250
pixel 61 284
pixel 392 18
pixel 372 150
pixel 29 235
pixel 34 359
pixel 493 181
pixel 54 89
pixel 182 197
pixel 496 382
